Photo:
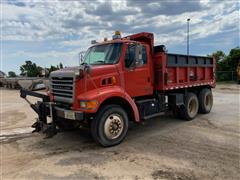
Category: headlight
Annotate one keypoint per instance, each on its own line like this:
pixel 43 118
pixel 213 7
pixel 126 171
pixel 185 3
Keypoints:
pixel 88 104
pixel 77 72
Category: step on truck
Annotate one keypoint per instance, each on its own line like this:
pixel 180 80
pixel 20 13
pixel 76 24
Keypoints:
pixel 121 80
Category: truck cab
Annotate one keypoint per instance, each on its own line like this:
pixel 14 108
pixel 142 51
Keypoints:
pixel 121 80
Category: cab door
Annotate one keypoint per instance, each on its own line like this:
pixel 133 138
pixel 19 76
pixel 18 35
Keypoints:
pixel 137 73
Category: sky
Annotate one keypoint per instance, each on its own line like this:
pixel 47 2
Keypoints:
pixel 50 32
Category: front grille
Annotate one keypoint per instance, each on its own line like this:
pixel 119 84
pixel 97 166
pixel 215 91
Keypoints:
pixel 62 89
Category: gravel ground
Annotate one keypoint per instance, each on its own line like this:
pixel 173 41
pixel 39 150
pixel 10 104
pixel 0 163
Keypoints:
pixel 162 148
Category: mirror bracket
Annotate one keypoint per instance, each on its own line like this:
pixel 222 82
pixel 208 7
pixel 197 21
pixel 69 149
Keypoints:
pixel 81 56
pixel 138 55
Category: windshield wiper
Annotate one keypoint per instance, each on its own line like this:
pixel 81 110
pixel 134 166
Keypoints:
pixel 100 61
pixel 84 63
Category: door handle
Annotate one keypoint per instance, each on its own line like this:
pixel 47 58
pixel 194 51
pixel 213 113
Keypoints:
pixel 148 79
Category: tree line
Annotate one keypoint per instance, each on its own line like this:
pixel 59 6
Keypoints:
pixel 30 69
pixel 226 66
pixel 227 62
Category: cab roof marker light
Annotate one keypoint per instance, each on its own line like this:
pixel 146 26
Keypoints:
pixel 117 35
pixel 93 42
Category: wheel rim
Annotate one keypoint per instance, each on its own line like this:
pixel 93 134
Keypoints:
pixel 113 126
pixel 192 107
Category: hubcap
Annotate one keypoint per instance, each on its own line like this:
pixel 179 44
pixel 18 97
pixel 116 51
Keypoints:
pixel 113 126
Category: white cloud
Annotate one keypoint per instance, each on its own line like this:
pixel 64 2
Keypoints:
pixel 59 19
pixel 72 25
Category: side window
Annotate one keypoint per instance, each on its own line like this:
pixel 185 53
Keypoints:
pixel 130 55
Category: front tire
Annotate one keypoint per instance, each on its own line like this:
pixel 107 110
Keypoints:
pixel 110 125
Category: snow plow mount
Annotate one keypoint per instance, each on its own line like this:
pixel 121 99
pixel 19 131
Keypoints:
pixel 44 109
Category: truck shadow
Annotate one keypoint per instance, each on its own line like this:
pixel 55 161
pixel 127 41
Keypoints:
pixel 81 140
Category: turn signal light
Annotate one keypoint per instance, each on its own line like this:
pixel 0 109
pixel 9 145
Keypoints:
pixel 88 104
pixel 117 35
pixel 114 80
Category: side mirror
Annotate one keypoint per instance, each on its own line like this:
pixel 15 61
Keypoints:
pixel 81 56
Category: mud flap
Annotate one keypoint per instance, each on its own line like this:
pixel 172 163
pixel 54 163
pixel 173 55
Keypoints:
pixel 177 104
pixel 182 110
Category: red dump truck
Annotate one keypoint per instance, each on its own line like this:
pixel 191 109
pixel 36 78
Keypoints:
pixel 122 80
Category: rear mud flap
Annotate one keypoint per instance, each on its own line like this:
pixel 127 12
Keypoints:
pixel 182 110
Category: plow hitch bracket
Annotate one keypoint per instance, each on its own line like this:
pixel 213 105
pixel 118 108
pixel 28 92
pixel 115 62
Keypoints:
pixel 44 109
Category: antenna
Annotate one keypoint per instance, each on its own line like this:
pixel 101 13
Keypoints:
pixel 188 20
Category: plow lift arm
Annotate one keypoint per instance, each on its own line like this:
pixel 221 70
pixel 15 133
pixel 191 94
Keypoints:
pixel 44 109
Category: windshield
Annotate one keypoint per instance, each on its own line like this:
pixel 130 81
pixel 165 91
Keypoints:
pixel 103 54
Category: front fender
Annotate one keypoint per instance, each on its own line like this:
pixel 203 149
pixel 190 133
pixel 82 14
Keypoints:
pixel 103 94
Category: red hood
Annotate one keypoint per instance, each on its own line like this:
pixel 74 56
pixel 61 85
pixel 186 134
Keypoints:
pixel 98 70
pixel 95 70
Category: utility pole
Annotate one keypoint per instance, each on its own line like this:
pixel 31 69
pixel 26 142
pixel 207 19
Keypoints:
pixel 188 20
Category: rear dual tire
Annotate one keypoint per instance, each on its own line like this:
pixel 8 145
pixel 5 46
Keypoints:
pixel 190 110
pixel 193 104
pixel 205 101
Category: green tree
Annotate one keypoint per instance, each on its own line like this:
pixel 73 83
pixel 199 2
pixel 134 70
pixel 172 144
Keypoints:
pixel 227 63
pixel 219 55
pixel 61 65
pixel 53 68
pixel 12 74
pixel 233 58
pixel 30 69
pixel 220 63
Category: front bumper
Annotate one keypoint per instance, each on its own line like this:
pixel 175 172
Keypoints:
pixel 69 114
